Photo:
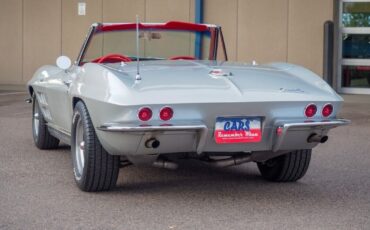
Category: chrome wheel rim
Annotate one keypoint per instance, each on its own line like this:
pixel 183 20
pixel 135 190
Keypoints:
pixel 79 150
pixel 36 118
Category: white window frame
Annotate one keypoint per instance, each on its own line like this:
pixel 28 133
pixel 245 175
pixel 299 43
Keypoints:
pixel 349 62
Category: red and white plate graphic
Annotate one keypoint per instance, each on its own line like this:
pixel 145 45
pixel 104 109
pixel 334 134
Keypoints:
pixel 237 130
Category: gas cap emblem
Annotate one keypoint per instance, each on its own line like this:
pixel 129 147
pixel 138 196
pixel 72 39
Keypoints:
pixel 219 73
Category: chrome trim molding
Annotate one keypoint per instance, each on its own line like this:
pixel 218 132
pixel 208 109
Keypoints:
pixel 62 135
pixel 148 128
pixel 88 37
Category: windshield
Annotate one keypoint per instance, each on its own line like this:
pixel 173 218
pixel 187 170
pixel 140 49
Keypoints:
pixel 155 44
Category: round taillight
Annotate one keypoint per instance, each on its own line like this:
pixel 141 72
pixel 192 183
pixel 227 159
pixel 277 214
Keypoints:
pixel 166 113
pixel 310 110
pixel 327 110
pixel 145 114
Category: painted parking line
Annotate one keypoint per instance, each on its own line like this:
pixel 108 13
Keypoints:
pixel 12 93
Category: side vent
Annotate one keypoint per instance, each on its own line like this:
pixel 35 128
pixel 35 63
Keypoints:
pixel 44 106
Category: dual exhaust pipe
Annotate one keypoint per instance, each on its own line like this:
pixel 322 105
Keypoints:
pixel 315 138
pixel 152 143
pixel 222 163
pixel 231 161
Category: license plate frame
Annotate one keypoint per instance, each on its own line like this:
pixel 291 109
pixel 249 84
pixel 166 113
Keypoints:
pixel 234 130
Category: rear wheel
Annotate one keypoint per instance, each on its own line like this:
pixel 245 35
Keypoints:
pixel 94 168
pixel 41 136
pixel 286 168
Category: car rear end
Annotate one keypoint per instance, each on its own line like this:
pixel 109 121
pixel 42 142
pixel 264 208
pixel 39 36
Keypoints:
pixel 216 127
pixel 219 109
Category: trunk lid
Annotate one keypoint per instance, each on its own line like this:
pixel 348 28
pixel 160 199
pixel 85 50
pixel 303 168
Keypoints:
pixel 191 81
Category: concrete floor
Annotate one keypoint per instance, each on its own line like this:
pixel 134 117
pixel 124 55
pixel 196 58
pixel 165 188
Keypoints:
pixel 37 190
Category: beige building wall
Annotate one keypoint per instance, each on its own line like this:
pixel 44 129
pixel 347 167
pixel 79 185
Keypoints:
pixel 273 30
pixel 41 34
pixel 262 30
pixel 75 27
pixel 11 47
pixel 224 13
pixel 306 33
pixel 38 31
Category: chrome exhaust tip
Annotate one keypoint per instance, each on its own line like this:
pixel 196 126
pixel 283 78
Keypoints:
pixel 324 139
pixel 152 143
pixel 315 138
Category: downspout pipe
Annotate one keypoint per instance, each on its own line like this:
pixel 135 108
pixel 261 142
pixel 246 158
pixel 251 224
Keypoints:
pixel 198 19
pixel 328 65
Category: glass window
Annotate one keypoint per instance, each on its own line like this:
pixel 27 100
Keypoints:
pixel 356 46
pixel 154 44
pixel 356 14
pixel 356 76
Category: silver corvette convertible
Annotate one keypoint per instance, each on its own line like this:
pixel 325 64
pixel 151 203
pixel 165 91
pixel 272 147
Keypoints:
pixel 153 93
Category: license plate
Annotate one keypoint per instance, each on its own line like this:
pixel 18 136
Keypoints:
pixel 237 130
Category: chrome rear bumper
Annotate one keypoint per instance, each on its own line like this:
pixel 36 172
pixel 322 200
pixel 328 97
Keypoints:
pixel 294 134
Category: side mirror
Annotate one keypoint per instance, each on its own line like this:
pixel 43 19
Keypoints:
pixel 63 62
